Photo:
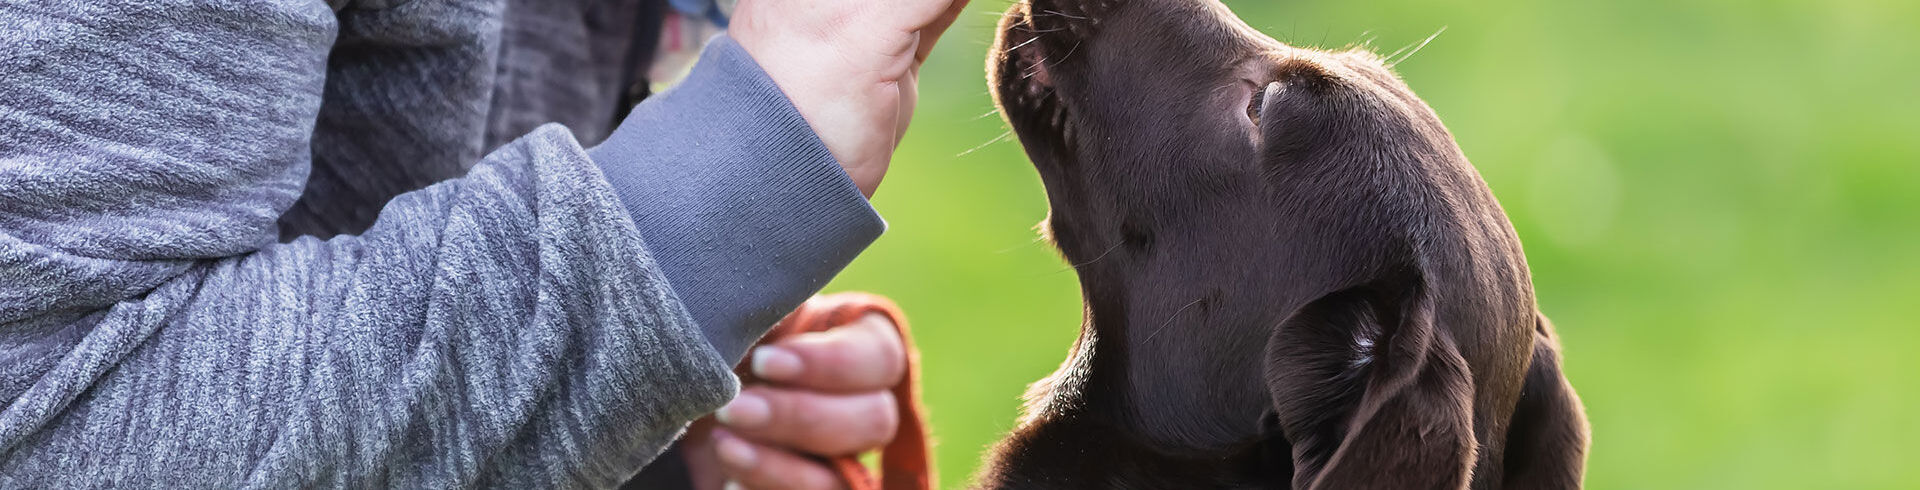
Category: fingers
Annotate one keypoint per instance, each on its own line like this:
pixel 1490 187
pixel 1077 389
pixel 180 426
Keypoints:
pixel 813 423
pixel 865 355
pixel 828 396
pixel 930 34
pixel 753 466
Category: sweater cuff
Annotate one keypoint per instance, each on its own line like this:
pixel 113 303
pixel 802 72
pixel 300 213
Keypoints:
pixel 739 201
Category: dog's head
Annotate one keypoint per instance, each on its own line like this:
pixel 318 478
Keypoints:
pixel 1209 183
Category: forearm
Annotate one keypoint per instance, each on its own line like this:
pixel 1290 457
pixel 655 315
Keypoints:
pixel 508 328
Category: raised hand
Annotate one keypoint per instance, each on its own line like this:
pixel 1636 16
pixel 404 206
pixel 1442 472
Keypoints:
pixel 851 67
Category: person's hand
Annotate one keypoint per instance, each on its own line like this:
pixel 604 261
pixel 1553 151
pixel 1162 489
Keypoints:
pixel 850 66
pixel 825 394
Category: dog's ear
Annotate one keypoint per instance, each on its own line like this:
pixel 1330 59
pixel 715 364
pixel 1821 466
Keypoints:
pixel 1370 394
pixel 1547 440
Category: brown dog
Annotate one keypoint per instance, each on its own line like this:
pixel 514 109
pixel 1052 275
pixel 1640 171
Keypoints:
pixel 1293 277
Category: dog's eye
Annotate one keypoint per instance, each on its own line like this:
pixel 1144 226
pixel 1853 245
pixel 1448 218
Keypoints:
pixel 1258 101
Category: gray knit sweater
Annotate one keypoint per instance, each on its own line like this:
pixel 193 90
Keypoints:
pixel 538 315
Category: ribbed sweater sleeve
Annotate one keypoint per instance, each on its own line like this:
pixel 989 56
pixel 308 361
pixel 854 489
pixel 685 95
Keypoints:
pixel 745 210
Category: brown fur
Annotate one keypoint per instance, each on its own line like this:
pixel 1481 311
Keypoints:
pixel 1293 277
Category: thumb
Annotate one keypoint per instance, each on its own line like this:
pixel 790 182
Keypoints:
pixel 937 24
pixel 909 97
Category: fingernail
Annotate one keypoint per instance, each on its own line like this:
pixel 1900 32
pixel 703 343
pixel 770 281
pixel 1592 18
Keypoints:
pixel 733 485
pixel 774 363
pixel 734 453
pixel 747 411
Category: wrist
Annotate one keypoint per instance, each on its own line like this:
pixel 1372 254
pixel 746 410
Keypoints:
pixel 744 207
pixel 854 117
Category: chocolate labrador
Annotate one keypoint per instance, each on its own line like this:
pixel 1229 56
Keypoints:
pixel 1293 278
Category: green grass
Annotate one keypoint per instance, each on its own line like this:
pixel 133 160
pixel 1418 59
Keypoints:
pixel 1720 201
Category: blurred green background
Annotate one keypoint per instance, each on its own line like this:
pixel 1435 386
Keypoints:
pixel 1720 201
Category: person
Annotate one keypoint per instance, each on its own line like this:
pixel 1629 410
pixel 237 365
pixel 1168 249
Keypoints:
pixel 393 243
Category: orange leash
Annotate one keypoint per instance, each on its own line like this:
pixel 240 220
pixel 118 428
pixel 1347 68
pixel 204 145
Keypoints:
pixel 906 463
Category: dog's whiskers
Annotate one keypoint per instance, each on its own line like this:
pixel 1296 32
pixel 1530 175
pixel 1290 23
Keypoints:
pixel 1070 52
pixel 1102 255
pixel 1076 48
pixel 1396 52
pixel 1364 41
pixel 1041 65
pixel 1034 241
pixel 996 139
pixel 1063 14
pixel 1023 44
pixel 1416 49
pixel 1047 31
pixel 1176 314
